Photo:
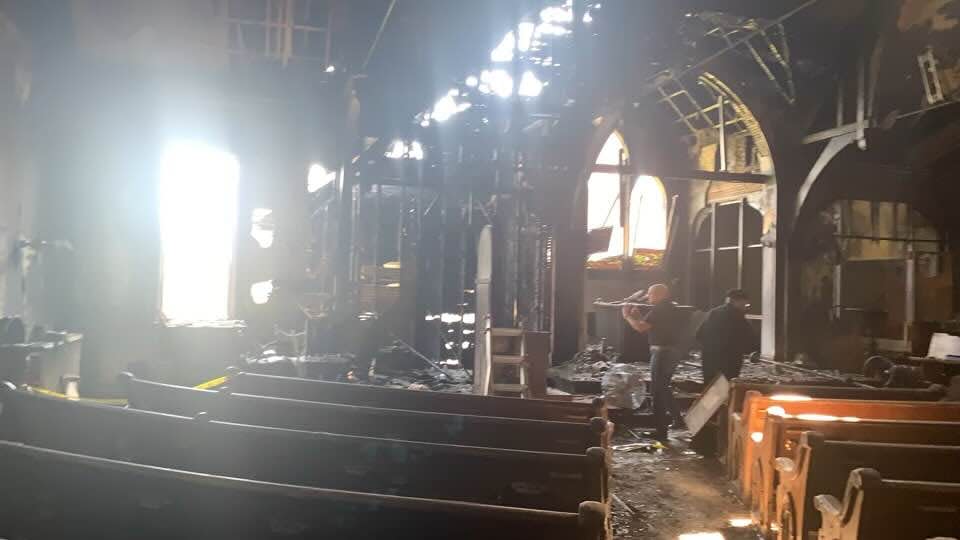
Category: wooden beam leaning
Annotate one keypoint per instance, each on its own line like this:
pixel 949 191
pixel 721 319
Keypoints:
pixel 53 494
pixel 396 398
pixel 877 508
pixel 782 435
pixel 444 428
pixel 822 466
pixel 494 476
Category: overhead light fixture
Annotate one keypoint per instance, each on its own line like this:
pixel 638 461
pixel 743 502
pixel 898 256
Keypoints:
pixel 331 68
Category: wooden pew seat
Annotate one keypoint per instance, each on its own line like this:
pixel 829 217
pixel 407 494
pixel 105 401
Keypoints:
pixel 739 389
pixel 755 407
pixel 415 400
pixel 50 494
pixel 822 467
pixel 444 428
pixel 483 475
pixel 877 508
pixel 781 436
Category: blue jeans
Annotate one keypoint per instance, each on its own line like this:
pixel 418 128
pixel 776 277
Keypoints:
pixel 663 362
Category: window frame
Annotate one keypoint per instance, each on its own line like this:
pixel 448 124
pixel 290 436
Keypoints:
pixel 714 296
pixel 628 181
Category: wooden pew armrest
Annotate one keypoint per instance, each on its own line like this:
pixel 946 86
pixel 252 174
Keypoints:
pixel 829 506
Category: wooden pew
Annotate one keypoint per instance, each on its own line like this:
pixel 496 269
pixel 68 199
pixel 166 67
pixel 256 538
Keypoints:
pixel 877 508
pixel 495 476
pixel 822 467
pixel 781 435
pixel 466 430
pixel 755 408
pixel 415 400
pixel 50 494
pixel 730 448
pixel 739 389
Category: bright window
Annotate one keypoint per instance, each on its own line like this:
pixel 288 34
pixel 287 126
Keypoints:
pixel 647 206
pixel 198 219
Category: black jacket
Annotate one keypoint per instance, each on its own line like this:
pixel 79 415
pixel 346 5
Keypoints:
pixel 726 334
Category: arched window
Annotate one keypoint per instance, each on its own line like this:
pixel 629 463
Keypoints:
pixel 646 207
pixel 727 254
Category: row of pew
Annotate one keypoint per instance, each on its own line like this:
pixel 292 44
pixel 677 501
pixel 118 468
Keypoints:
pixel 845 463
pixel 274 457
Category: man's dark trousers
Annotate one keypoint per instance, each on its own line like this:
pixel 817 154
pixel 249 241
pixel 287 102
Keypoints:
pixel 663 362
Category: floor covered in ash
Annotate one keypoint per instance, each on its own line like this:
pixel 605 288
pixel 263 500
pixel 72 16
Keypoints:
pixel 669 492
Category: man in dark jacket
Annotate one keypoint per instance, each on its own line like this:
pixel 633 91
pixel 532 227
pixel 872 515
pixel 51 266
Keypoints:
pixel 725 337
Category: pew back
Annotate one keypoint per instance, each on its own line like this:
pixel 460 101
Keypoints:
pixel 755 407
pixel 875 508
pixel 484 475
pixel 781 436
pixel 52 494
pixel 738 391
pixel 444 428
pixel 822 467
pixel 396 398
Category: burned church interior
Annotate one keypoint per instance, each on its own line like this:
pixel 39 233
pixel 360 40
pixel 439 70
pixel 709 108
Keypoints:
pixel 479 269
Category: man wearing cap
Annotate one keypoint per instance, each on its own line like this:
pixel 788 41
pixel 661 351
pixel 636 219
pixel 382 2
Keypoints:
pixel 725 336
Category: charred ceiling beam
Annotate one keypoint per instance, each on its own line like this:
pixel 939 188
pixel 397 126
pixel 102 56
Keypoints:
pixel 744 8
pixel 677 73
pixel 706 176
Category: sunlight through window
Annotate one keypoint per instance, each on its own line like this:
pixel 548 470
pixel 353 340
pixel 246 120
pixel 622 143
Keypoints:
pixel 198 215
pixel 648 206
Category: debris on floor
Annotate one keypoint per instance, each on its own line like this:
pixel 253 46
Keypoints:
pixel 673 493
